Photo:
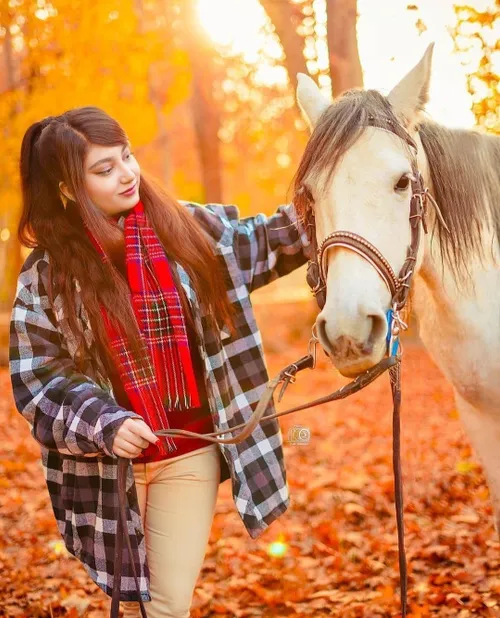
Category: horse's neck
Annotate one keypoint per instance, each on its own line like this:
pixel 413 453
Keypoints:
pixel 460 325
pixel 442 304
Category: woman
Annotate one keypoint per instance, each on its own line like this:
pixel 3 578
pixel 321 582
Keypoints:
pixel 133 314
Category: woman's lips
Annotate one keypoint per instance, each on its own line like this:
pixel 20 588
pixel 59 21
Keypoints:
pixel 129 191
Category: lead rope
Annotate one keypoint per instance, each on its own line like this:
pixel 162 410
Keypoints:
pixel 395 378
pixel 122 532
pixel 287 376
pixel 395 326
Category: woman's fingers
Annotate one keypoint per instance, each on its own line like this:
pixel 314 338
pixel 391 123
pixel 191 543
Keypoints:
pixel 136 440
pixel 132 438
pixel 144 432
pixel 129 454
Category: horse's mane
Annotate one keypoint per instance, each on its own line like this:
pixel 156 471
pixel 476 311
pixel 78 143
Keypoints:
pixel 464 167
pixel 465 173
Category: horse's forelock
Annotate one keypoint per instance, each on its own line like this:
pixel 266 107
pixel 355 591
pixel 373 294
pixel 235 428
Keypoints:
pixel 338 128
pixel 463 166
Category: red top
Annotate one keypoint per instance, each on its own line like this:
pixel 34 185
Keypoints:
pixel 195 419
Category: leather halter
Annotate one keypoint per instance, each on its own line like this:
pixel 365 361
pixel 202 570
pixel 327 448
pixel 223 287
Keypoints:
pixel 399 288
pixel 398 285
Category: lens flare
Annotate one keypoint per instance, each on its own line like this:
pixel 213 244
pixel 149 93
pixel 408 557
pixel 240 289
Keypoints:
pixel 278 548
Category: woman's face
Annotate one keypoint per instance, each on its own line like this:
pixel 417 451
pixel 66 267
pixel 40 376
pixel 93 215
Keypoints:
pixel 112 177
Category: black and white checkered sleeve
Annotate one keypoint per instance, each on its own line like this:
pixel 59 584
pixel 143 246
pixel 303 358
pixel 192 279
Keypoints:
pixel 266 247
pixel 269 247
pixel 66 410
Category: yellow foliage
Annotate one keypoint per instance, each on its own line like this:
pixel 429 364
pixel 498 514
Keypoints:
pixel 479 29
pixel 185 188
pixel 85 53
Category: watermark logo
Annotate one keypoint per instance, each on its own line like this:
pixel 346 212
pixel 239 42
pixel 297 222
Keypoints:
pixel 298 434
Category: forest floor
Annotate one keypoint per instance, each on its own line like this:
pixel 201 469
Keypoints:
pixel 334 552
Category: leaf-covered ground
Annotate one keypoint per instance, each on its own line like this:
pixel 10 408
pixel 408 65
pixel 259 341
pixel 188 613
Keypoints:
pixel 334 553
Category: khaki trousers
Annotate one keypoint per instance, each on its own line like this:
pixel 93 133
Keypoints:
pixel 177 501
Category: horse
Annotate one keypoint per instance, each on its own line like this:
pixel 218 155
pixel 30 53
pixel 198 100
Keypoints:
pixel 356 175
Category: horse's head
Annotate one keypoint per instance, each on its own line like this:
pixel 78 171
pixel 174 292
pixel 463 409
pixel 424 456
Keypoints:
pixel 355 176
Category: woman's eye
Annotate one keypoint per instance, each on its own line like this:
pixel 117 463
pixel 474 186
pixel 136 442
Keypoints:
pixel 403 183
pixel 110 169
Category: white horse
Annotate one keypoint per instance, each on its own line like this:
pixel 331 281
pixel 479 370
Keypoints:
pixel 356 177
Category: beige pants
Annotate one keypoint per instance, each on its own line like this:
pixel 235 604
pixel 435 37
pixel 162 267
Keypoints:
pixel 177 500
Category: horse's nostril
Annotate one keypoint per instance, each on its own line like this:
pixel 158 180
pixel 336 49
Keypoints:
pixel 321 329
pixel 379 328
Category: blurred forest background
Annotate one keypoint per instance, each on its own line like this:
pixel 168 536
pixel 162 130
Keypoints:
pixel 205 88
pixel 205 91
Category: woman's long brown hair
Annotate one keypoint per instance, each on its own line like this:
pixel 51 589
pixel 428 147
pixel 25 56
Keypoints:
pixel 54 150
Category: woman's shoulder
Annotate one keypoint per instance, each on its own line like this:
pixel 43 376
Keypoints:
pixel 34 275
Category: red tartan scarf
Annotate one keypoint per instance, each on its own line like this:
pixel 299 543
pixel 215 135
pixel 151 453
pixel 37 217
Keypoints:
pixel 168 381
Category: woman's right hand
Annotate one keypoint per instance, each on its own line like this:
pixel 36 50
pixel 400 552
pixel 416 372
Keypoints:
pixel 133 436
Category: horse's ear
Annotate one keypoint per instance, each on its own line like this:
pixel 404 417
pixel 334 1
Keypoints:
pixel 410 96
pixel 311 100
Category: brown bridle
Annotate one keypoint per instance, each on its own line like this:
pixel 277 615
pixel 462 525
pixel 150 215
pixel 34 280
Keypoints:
pixel 399 287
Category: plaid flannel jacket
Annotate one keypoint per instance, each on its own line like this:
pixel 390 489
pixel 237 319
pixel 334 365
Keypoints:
pixel 74 416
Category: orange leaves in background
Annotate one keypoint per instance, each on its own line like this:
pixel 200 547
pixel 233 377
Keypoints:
pixel 334 552
pixel 477 37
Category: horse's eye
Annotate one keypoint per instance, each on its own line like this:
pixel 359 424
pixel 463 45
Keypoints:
pixel 403 183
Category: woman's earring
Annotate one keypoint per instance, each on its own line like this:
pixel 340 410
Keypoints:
pixel 64 200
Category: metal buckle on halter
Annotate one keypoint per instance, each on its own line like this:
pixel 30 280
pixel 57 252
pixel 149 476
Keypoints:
pixel 288 378
pixel 312 346
pixel 421 214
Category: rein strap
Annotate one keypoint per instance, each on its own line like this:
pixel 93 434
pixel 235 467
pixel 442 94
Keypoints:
pixel 285 376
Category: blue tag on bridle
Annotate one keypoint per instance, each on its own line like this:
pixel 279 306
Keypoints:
pixel 395 341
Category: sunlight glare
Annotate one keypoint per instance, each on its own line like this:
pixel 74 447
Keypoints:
pixel 235 24
pixel 387 49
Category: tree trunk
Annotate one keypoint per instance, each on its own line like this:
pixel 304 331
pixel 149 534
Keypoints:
pixel 286 17
pixel 10 248
pixel 161 140
pixel 9 79
pixel 205 109
pixel 206 119
pixel 345 66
